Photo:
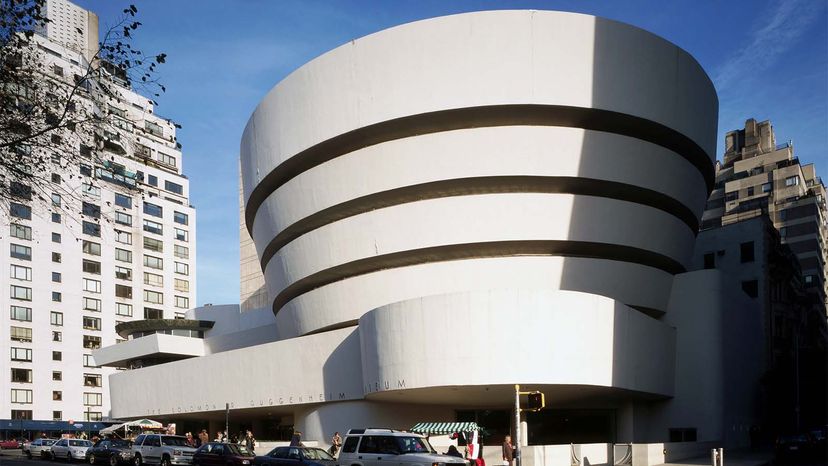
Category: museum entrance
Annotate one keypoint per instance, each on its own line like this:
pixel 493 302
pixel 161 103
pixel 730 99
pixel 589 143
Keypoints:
pixel 548 426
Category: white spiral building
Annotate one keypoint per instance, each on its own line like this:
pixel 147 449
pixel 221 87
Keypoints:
pixel 449 207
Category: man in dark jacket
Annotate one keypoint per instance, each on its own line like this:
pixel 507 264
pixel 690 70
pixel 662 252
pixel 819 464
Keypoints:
pixel 508 450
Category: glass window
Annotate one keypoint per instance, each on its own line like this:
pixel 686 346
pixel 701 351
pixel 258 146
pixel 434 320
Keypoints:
pixel 56 200
pixel 57 336
pixel 57 277
pixel 91 229
pixel 123 291
pixel 20 231
pixel 92 380
pixel 57 375
pixel 91 210
pixel 55 217
pixel 181 218
pixel 91 323
pixel 91 248
pixel 19 251
pixel 91 267
pixel 167 159
pixel 182 268
pixel 91 342
pixel 21 334
pixel 153 279
pixel 123 237
pixel 182 285
pixel 123 201
pixel 746 252
pixel 21 375
pixel 91 304
pixel 123 273
pixel 20 292
pixel 153 262
pixel 767 187
pixel 123 255
pixel 88 361
pixel 153 227
pixel 92 399
pixel 56 237
pixel 57 415
pixel 20 190
pixel 57 296
pixel 25 414
pixel 123 309
pixel 20 211
pixel 182 302
pixel 182 235
pixel 55 257
pixel 154 210
pixel 57 395
pixel 792 180
pixel 122 218
pixel 56 318
pixel 92 286
pixel 21 354
pixel 21 313
pixel 152 180
pixel 181 252
pixel 173 187
pixel 21 396
pixel 20 272
pixel 153 297
pixel 153 244
pixel 150 313
pixel 91 191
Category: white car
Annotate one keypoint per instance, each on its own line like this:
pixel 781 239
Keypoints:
pixel 379 447
pixel 70 449
pixel 38 447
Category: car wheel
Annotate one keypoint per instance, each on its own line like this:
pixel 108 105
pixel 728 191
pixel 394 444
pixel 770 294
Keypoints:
pixel 165 461
pixel 29 454
pixel 91 459
pixel 113 459
pixel 137 461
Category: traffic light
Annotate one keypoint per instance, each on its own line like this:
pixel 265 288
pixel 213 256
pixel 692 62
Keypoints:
pixel 535 401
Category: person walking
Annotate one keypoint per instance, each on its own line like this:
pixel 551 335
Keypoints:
pixel 336 444
pixel 508 451
pixel 203 437
pixel 250 441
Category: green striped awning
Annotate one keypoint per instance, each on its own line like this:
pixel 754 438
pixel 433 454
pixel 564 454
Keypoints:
pixel 444 428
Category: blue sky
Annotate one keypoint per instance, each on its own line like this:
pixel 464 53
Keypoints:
pixel 768 59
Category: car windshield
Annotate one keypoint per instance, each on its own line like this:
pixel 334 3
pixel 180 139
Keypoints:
pixel 238 450
pixel 121 444
pixel 413 445
pixel 317 454
pixel 80 443
pixel 174 441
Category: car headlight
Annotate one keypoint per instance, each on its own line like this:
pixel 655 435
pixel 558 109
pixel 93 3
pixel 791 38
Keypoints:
pixel 177 452
pixel 245 461
pixel 125 454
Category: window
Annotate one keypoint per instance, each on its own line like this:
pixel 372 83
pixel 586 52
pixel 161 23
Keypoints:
pixel 153 245
pixel 750 191
pixel 92 267
pixel 123 237
pixel 152 180
pixel 91 248
pixel 92 286
pixel 123 201
pixel 122 218
pixel 182 302
pixel 21 273
pixel 20 231
pixel 57 277
pixel 21 334
pixel 21 375
pixel 767 187
pixel 57 395
pixel 57 296
pixel 178 217
pixel 123 291
pixel 23 314
pixel 180 315
pixel 22 414
pixel 57 376
pixel 56 318
pixel 56 237
pixel 153 262
pixel 123 255
pixel 57 415
pixel 182 285
pixel 746 250
pixel 91 304
pixel 150 313
pixel 88 361
pixel 181 252
pixel 792 180
pixel 21 396
pixel 91 210
pixel 153 227
pixel 167 159
pixel 174 187
pixel 153 279
pixel 92 399
pixel 20 211
pixel 56 200
pixel 731 196
pixel 91 229
pixel 91 191
pixel 57 336
pixel 153 297
pixel 91 323
pixel 21 354
pixel 56 257
pixel 91 342
pixel 122 309
pixel 182 268
pixel 182 235
pixel 20 190
pixel 751 288
pixel 19 251
pixel 154 210
pixel 123 273
pixel 92 380
pixel 21 292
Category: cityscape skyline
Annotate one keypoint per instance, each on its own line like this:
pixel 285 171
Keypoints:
pixel 223 60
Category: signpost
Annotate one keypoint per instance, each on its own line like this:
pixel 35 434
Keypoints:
pixel 536 401
pixel 227 420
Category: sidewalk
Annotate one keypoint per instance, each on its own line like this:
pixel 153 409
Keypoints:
pixel 735 458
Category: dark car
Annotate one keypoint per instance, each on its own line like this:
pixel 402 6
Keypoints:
pixel 111 451
pixel 791 447
pixel 295 456
pixel 223 454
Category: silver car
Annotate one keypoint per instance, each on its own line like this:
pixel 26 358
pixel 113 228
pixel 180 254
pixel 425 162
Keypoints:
pixel 39 447
pixel 166 450
pixel 381 447
pixel 70 449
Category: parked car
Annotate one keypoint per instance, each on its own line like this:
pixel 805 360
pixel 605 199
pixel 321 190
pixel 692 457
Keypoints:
pixel 221 454
pixel 110 451
pixel 160 449
pixel 12 443
pixel 70 449
pixel 378 447
pixel 295 456
pixel 38 447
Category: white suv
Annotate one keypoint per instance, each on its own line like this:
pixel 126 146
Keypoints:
pixel 385 447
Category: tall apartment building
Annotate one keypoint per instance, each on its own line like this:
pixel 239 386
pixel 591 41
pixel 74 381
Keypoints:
pixel 759 176
pixel 116 244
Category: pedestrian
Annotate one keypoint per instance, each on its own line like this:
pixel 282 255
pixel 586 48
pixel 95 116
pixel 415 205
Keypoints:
pixel 250 441
pixel 190 441
pixel 336 444
pixel 296 441
pixel 203 437
pixel 508 451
